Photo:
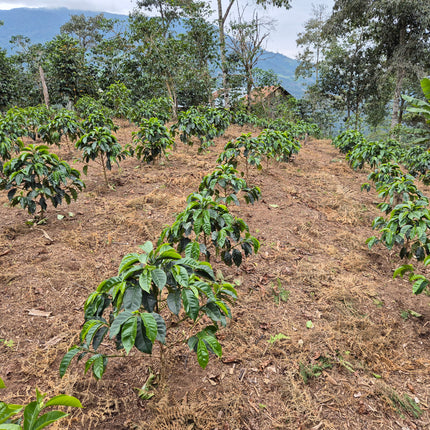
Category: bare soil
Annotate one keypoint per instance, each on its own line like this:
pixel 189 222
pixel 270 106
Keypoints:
pixel 351 354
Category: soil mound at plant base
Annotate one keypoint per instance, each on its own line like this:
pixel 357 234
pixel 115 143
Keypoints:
pixel 321 336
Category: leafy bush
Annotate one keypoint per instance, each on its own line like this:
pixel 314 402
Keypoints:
pixel 420 282
pixel 241 117
pixel 31 418
pixel 15 124
pixel 211 224
pixel 152 140
pixel 98 119
pixel 401 189
pixel 101 146
pixel 279 145
pixel 86 105
pixel 7 147
pixel 39 177
pixel 65 123
pixel 244 146
pixel 192 123
pixel 346 140
pixel 417 161
pixel 385 174
pixel 407 227
pixel 37 116
pixel 220 118
pixel 160 108
pixel 374 153
pixel 224 179
pixel 128 307
pixel 118 98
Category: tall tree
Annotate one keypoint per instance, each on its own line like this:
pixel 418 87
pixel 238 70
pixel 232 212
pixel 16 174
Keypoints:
pixel 28 58
pixel 68 73
pixel 172 64
pixel 347 75
pixel 89 30
pixel 399 31
pixel 223 15
pixel 313 41
pixel 246 41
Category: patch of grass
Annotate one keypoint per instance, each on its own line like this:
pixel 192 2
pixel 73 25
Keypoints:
pixel 310 371
pixel 280 294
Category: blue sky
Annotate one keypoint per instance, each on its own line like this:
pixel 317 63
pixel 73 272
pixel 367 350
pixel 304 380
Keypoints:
pixel 288 23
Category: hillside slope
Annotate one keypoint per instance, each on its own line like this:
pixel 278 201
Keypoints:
pixel 321 336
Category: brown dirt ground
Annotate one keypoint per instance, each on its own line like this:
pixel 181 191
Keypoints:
pixel 312 222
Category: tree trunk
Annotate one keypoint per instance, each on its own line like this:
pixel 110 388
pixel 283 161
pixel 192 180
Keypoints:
pixel 172 95
pixel 249 88
pixel 395 116
pixel 44 87
pixel 223 53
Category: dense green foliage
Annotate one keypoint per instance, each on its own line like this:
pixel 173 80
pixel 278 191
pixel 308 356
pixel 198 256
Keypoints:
pixel 152 140
pixel 211 224
pixel 36 177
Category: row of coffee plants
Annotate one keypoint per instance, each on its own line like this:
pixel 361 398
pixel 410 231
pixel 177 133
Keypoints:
pixel 407 216
pixel 131 308
pixel 93 136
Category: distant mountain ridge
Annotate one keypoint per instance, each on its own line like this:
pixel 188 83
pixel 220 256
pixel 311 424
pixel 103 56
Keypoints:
pixel 42 25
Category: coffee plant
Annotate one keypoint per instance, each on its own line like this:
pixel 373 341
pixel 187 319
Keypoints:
pixel 8 147
pixel 118 98
pixel 101 146
pixel 14 124
pixel 241 117
pixel 245 146
pixel 87 105
pixel 220 118
pixel 98 119
pixel 130 309
pixel 278 145
pixel 65 123
pixel 37 176
pixel 152 140
pixel 37 116
pixel 400 190
pixel 406 227
pixel 224 180
pixel 374 153
pixel 347 140
pixel 192 123
pixel 211 224
pixel 160 108
pixel 417 161
pixel 385 174
pixel 31 418
pixel 419 282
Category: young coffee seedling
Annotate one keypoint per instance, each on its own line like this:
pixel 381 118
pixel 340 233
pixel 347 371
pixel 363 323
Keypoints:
pixel 346 141
pixel 212 225
pixel 152 140
pixel 101 146
pixel 224 184
pixel 65 123
pixel 31 418
pixel 192 123
pixel 36 176
pixel 128 308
